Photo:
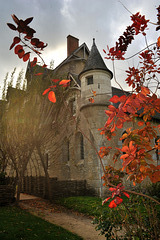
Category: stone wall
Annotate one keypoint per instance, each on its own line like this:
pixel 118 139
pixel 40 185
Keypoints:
pixel 37 186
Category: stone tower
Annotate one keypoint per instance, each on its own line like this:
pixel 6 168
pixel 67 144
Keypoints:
pixel 94 77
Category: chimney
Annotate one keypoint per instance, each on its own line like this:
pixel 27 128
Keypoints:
pixel 72 44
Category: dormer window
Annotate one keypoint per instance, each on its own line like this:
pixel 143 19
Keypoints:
pixel 89 80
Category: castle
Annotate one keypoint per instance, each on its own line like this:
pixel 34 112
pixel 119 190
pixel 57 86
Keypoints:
pixel 76 156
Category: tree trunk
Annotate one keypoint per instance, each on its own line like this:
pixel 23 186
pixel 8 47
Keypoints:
pixel 48 186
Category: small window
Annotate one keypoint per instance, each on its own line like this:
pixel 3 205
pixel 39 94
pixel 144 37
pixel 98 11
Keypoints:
pixel 157 151
pixel 82 147
pixel 99 85
pixel 89 80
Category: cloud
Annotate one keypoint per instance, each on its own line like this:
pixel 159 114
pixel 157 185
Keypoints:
pixel 53 20
pixel 65 10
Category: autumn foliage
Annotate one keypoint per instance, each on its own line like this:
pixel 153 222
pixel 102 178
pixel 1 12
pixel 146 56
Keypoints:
pixel 25 37
pixel 138 106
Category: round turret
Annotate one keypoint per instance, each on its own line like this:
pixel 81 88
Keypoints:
pixel 95 78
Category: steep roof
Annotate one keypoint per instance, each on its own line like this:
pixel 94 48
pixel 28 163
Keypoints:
pixel 95 61
pixel 73 55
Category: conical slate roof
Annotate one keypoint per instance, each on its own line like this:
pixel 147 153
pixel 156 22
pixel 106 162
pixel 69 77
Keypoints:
pixel 95 61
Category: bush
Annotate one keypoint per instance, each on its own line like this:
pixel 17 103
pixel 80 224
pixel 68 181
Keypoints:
pixel 135 219
pixel 154 190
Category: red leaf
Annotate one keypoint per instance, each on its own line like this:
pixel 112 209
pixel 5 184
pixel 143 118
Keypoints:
pixel 15 41
pixel 46 91
pixel 105 200
pixel 126 194
pixel 28 20
pixel 118 200
pixel 55 80
pixel 11 26
pixel 114 99
pixel 44 66
pixel 38 74
pixel 26 56
pixel 112 204
pixel 34 41
pixel 21 53
pixel 33 63
pixel 52 97
pixel 17 48
pixel 112 189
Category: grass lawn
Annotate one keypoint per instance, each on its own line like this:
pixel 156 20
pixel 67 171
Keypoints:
pixel 139 221
pixel 92 206
pixel 16 224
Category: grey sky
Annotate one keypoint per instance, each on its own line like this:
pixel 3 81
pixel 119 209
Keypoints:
pixel 53 20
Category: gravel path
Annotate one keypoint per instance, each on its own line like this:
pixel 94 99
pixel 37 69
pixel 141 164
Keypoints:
pixel 72 221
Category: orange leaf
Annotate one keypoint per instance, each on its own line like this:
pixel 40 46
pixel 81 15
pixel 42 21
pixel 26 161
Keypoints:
pixel 94 93
pixel 140 123
pixel 158 42
pixel 155 177
pixel 119 123
pixel 91 100
pixel 62 82
pixel 46 91
pixel 145 91
pixel 52 97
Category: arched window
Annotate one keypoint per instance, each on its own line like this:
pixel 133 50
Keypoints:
pixel 79 146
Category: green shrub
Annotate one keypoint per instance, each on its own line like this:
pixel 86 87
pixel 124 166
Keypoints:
pixel 154 190
pixel 136 219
